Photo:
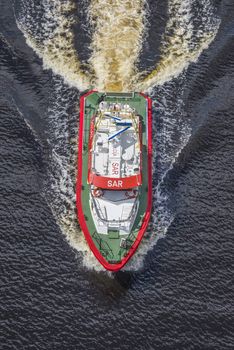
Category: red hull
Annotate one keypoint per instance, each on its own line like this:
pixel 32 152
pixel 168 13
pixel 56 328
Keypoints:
pixel 81 216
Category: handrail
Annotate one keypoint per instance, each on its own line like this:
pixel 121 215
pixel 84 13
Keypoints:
pixel 106 249
pixel 118 133
pixel 120 94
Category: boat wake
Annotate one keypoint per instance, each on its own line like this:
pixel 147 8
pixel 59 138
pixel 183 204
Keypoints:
pixel 48 28
pixel 187 34
pixel 112 64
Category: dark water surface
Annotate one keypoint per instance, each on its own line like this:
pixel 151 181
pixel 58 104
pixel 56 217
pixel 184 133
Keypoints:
pixel 182 297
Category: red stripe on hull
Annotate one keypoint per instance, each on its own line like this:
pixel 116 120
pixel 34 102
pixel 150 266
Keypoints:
pixel 81 217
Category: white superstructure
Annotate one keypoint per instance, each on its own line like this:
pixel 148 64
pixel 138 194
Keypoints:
pixel 115 167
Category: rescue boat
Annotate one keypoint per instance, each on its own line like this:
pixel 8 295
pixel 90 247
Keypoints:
pixel 114 175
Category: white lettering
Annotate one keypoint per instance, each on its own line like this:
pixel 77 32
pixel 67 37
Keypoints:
pixel 115 183
pixel 115 168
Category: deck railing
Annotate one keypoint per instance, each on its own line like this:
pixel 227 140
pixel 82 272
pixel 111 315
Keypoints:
pixel 103 246
pixel 101 217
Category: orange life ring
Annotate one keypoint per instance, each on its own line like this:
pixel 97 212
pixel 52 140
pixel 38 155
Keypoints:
pixel 97 192
pixel 131 194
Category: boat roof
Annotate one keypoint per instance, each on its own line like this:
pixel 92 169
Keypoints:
pixel 115 147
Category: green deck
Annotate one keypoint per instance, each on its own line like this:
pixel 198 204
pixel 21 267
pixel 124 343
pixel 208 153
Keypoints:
pixel 109 245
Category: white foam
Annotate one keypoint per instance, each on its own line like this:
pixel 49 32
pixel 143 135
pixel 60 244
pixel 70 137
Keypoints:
pixel 183 42
pixel 60 187
pixel 47 27
pixel 119 29
pixel 168 142
pixel 118 32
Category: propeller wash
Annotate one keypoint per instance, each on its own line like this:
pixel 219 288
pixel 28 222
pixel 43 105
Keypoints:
pixel 117 33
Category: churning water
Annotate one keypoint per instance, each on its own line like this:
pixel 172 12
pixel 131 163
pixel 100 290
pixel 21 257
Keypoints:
pixel 181 53
pixel 117 31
